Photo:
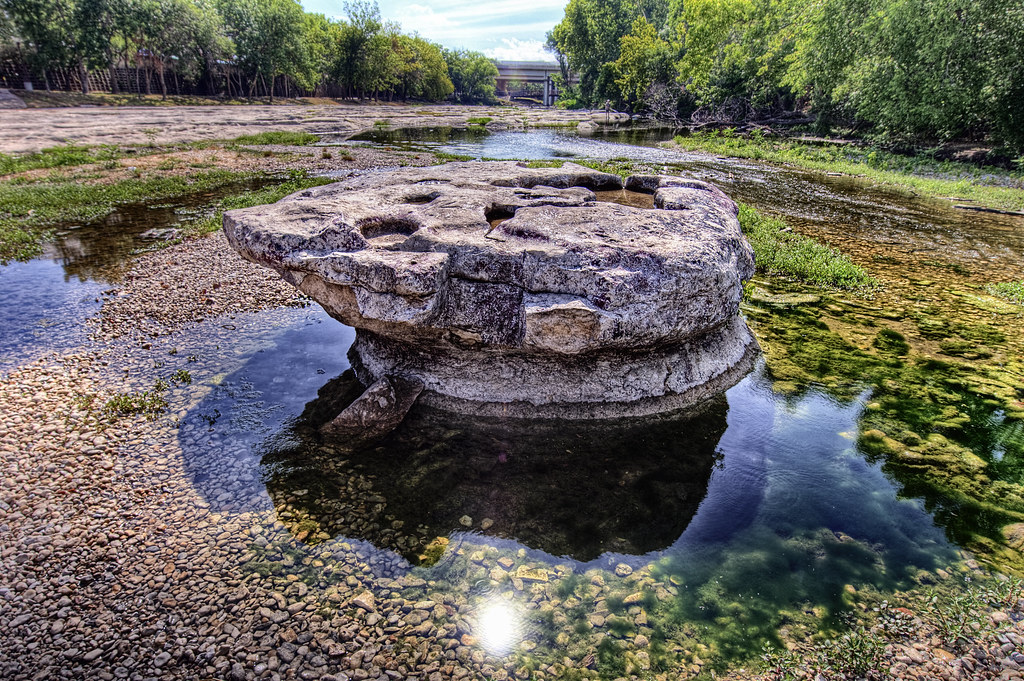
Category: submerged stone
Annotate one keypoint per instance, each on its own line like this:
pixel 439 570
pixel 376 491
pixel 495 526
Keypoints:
pixel 510 290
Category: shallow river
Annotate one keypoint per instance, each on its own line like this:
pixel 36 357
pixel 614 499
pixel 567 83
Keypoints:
pixel 701 526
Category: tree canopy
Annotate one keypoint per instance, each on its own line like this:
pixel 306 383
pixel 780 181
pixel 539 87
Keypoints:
pixel 905 70
pixel 274 44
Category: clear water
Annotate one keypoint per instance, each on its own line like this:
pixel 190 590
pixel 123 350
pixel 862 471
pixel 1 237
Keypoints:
pixel 757 504
pixel 47 300
pixel 42 310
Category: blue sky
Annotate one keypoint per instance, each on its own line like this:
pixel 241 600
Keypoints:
pixel 503 29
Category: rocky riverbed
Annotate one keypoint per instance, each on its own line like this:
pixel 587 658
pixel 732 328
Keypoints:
pixel 24 130
pixel 122 558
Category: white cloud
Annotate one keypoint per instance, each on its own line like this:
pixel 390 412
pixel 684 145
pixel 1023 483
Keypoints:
pixel 514 49
pixel 495 27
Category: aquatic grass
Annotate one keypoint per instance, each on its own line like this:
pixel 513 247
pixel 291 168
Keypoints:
pixel 949 432
pixel 149 403
pixel 989 187
pixel 57 157
pixel 283 137
pixel 268 194
pixel 1012 291
pixel 779 251
pixel 29 209
pixel 479 120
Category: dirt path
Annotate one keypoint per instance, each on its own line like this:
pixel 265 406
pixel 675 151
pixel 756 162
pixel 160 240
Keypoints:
pixel 26 130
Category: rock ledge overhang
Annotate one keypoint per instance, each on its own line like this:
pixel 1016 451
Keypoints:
pixel 511 290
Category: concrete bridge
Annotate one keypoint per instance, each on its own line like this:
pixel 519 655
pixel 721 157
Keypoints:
pixel 529 72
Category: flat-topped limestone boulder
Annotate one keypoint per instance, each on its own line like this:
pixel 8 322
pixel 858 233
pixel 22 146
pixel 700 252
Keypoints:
pixel 514 290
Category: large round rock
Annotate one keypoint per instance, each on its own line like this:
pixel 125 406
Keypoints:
pixel 513 290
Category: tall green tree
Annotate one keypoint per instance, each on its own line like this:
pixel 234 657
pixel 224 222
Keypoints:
pixel 268 39
pixel 474 77
pixel 589 37
pixel 50 28
pixel 645 59
pixel 422 70
pixel 322 38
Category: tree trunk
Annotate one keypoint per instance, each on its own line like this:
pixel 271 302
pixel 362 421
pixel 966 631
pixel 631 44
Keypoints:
pixel 115 87
pixel 83 76
pixel 163 81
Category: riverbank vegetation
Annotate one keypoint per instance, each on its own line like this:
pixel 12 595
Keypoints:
pixel 781 252
pixel 29 209
pixel 962 182
pixel 237 49
pixel 78 184
pixel 902 72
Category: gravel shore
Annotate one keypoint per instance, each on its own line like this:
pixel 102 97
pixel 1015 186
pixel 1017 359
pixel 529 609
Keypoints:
pixel 186 284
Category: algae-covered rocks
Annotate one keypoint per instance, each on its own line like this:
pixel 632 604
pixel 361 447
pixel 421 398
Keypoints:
pixel 513 290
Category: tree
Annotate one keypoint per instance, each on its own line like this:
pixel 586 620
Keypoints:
pixel 589 36
pixel 360 50
pixel 268 38
pixel 422 71
pixel 474 77
pixel 322 38
pixel 49 27
pixel 644 60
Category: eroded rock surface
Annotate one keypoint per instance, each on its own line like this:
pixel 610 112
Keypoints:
pixel 506 289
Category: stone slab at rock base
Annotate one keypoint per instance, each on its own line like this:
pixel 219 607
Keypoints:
pixel 377 411
pixel 512 290
pixel 578 389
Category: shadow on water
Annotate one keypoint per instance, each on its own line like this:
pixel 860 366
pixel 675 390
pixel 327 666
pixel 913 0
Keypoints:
pixel 691 484
pixel 574 489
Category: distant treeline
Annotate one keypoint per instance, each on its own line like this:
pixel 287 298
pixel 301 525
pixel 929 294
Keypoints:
pixel 914 71
pixel 239 48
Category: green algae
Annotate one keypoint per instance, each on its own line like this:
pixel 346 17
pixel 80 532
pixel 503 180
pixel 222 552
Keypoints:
pixel 948 431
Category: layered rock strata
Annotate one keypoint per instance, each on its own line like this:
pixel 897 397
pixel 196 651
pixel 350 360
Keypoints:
pixel 513 290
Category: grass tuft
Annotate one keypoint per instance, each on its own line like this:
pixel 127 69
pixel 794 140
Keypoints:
pixel 1012 291
pixel 146 402
pixel 284 137
pixel 779 251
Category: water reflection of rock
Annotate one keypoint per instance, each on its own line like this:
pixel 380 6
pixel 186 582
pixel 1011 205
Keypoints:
pixel 568 488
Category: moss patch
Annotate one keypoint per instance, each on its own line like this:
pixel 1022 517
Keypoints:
pixel 950 431
pixel 1009 290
